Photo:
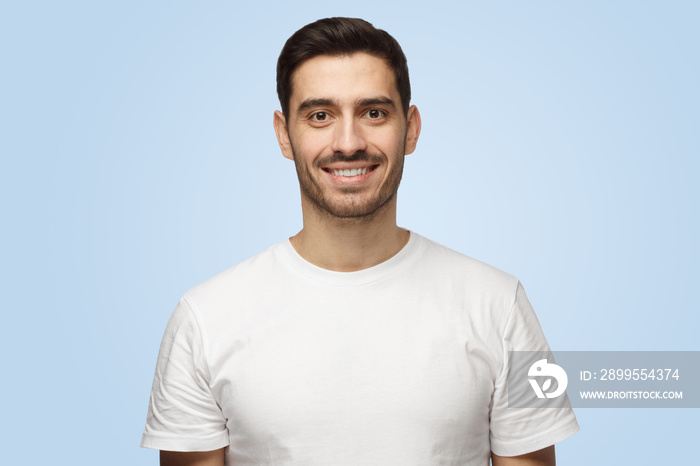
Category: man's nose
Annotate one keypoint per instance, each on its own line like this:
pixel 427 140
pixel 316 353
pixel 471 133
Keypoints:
pixel 348 137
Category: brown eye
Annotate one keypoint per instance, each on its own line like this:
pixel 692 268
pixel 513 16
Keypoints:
pixel 320 116
pixel 374 114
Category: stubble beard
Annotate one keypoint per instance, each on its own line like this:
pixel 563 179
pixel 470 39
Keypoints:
pixel 352 205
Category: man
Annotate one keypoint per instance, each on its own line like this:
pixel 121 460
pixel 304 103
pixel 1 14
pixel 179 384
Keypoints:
pixel 355 342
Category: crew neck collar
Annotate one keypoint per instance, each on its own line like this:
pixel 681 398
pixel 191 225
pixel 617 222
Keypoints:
pixel 291 257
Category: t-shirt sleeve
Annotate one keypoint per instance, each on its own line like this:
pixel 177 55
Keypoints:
pixel 183 415
pixel 516 431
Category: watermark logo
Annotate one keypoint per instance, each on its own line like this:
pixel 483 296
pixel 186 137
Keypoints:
pixel 542 368
pixel 603 379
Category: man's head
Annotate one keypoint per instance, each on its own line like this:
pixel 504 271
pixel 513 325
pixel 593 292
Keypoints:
pixel 347 122
pixel 336 37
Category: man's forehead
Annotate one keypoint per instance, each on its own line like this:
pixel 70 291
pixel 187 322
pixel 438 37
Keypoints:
pixel 343 77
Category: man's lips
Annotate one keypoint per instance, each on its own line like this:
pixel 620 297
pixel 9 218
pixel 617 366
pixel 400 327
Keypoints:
pixel 349 170
pixel 350 173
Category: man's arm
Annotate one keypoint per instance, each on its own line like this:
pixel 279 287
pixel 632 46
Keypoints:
pixel 192 458
pixel 544 457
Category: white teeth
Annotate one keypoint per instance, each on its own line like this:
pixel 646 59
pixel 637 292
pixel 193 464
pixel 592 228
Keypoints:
pixel 351 171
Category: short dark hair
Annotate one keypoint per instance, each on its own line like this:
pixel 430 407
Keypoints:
pixel 340 36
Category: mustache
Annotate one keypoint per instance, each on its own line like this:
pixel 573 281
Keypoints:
pixel 359 156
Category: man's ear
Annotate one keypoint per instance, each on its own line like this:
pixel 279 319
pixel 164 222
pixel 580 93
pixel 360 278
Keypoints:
pixel 280 124
pixel 413 125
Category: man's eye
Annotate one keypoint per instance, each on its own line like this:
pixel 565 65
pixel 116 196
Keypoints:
pixel 374 114
pixel 319 116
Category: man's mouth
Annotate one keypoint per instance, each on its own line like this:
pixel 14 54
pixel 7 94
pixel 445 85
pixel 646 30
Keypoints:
pixel 349 172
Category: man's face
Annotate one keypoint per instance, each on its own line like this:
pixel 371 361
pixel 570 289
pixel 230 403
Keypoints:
pixel 347 134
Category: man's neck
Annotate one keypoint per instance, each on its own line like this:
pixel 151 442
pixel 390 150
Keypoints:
pixel 348 245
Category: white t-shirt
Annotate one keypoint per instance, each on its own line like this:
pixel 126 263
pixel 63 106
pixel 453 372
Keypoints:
pixel 403 363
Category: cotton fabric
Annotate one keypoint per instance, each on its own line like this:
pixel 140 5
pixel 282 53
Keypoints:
pixel 404 363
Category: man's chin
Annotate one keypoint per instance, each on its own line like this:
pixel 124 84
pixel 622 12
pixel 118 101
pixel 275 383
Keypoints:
pixel 361 211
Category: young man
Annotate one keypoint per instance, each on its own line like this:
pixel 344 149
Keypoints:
pixel 355 342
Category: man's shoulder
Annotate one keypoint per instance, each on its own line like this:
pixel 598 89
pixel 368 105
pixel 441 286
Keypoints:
pixel 246 275
pixel 448 257
pixel 456 266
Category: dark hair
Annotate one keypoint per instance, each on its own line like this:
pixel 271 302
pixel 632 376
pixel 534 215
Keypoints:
pixel 340 36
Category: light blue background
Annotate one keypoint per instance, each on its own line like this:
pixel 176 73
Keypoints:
pixel 559 144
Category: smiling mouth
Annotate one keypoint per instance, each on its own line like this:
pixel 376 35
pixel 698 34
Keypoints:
pixel 349 172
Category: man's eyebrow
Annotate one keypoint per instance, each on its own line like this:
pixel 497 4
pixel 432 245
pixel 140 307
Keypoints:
pixel 376 101
pixel 310 103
